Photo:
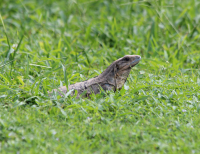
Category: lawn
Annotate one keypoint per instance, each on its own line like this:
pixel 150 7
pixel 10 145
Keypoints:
pixel 48 44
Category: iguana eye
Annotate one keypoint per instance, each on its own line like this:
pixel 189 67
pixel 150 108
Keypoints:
pixel 126 59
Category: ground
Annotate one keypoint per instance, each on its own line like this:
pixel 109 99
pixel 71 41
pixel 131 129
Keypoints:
pixel 47 44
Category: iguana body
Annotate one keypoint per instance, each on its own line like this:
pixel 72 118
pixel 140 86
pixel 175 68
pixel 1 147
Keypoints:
pixel 112 78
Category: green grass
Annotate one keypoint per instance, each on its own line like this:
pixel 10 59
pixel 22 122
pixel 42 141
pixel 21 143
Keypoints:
pixel 64 42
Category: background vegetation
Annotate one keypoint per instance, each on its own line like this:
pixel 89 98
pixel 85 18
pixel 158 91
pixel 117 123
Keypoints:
pixel 46 44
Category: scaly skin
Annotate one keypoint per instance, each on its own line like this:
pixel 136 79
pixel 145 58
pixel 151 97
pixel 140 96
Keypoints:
pixel 112 78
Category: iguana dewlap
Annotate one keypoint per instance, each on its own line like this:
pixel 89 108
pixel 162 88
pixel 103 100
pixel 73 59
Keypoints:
pixel 112 78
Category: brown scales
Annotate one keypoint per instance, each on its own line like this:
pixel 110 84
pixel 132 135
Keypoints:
pixel 112 78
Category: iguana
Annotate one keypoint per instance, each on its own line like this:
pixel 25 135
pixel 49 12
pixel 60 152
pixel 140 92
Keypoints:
pixel 112 78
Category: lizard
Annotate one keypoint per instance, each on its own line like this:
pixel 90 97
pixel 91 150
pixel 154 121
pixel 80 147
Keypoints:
pixel 113 78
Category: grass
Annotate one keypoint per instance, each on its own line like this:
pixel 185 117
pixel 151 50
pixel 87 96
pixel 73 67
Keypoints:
pixel 46 44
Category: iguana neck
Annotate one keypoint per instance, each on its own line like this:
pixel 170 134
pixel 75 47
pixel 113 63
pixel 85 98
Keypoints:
pixel 109 72
pixel 109 77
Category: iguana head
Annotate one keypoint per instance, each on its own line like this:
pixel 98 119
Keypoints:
pixel 123 68
pixel 117 73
